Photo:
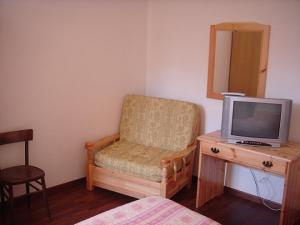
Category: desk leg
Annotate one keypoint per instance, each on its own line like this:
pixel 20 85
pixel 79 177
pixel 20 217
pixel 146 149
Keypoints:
pixel 210 179
pixel 290 211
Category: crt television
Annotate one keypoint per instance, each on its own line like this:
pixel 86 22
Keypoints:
pixel 256 121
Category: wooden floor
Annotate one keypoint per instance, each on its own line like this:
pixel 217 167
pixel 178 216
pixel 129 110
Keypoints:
pixel 74 203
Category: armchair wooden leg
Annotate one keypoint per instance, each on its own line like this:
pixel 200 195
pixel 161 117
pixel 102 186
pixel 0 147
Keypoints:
pixel 163 190
pixel 89 178
pixel 89 186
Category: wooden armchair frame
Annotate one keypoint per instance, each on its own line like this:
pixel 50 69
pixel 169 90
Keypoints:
pixel 138 187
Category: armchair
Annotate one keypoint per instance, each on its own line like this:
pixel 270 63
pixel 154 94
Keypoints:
pixel 152 154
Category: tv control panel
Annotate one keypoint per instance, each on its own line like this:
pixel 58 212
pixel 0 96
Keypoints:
pixel 252 143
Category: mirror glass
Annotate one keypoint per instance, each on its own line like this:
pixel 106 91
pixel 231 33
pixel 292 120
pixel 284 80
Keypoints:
pixel 237 60
pixel 222 61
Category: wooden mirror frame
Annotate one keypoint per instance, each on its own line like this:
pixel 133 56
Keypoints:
pixel 255 27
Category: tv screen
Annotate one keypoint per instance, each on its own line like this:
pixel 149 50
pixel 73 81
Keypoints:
pixel 255 119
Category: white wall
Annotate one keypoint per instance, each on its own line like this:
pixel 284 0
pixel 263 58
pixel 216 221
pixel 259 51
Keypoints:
pixel 65 67
pixel 178 44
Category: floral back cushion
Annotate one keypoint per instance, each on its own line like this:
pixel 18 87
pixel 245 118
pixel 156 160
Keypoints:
pixel 157 122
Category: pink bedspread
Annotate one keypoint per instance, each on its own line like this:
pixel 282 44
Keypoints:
pixel 152 210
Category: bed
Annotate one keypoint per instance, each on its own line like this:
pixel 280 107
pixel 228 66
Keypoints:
pixel 152 210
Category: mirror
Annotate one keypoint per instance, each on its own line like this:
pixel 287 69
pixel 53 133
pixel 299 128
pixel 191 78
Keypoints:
pixel 238 58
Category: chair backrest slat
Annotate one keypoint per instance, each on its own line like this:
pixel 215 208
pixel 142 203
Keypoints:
pixel 16 136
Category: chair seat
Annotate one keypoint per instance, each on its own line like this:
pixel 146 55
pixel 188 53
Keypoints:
pixel 135 159
pixel 20 174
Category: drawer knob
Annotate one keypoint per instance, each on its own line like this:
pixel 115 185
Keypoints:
pixel 267 164
pixel 215 150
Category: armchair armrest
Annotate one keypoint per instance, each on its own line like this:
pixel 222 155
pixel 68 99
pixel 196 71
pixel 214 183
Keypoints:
pixel 184 156
pixel 100 144
pixel 179 155
pixel 91 147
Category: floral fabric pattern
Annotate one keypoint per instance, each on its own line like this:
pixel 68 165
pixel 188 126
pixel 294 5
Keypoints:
pixel 152 210
pixel 135 159
pixel 157 122
pixel 150 129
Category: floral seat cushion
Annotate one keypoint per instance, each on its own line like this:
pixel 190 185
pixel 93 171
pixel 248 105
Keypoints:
pixel 135 159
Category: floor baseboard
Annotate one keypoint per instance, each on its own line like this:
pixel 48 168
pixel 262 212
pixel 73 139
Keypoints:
pixel 244 195
pixel 70 184
pixel 50 190
pixel 249 197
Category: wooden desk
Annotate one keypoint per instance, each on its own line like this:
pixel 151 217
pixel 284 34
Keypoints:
pixel 285 161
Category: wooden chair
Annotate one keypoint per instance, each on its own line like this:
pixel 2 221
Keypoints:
pixel 22 174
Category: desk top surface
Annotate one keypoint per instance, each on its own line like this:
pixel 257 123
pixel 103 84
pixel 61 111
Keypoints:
pixel 288 152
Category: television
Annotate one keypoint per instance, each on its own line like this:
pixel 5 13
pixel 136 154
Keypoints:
pixel 256 121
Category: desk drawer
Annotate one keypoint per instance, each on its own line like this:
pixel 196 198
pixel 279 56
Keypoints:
pixel 245 158
pixel 217 151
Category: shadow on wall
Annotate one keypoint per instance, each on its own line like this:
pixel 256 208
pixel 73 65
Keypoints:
pixel 202 119
pixel 201 131
pixel 295 123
